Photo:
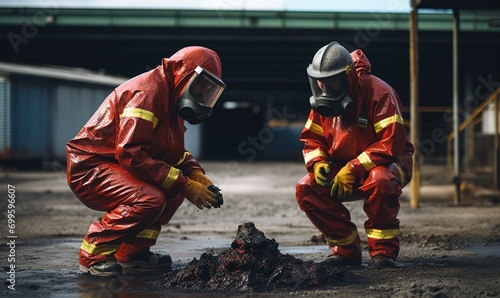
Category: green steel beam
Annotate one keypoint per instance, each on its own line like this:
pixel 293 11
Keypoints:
pixel 439 21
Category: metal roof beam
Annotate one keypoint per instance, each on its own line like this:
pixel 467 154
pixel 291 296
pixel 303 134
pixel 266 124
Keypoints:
pixel 39 17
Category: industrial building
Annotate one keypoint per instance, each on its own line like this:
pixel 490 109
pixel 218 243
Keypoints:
pixel 264 56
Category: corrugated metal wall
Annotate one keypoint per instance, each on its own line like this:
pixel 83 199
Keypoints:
pixel 4 116
pixel 38 116
pixel 27 118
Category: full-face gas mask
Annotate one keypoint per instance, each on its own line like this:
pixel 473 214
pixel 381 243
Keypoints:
pixel 330 96
pixel 200 95
pixel 328 78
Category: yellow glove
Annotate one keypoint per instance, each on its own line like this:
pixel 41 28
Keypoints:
pixel 198 194
pixel 342 184
pixel 321 171
pixel 198 176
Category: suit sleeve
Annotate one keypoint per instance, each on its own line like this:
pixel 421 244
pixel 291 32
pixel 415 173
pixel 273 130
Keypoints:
pixel 188 164
pixel 315 145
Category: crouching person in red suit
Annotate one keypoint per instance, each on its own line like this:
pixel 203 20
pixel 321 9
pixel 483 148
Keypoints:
pixel 129 160
pixel 355 148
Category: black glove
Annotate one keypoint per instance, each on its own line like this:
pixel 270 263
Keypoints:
pixel 219 198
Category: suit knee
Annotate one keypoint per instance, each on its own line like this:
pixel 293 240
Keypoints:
pixel 152 201
pixel 382 181
pixel 302 189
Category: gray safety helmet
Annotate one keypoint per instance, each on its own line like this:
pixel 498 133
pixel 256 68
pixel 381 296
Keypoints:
pixel 330 60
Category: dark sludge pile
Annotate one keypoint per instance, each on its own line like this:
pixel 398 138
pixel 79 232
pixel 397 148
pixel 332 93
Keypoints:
pixel 254 263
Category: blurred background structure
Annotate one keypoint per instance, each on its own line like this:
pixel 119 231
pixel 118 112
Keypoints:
pixel 59 62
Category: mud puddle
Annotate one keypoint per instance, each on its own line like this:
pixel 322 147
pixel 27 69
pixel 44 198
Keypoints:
pixel 304 250
pixel 486 249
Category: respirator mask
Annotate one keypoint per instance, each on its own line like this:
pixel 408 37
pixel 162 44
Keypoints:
pixel 200 95
pixel 330 95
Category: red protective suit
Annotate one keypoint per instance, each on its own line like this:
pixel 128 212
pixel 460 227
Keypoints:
pixel 378 153
pixel 130 161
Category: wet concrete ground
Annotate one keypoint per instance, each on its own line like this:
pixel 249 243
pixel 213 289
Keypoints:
pixel 57 274
pixel 446 250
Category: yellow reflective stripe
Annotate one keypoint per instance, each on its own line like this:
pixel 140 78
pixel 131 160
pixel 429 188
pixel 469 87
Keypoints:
pixel 401 173
pixel 315 128
pixel 148 233
pixel 365 161
pixel 313 154
pixel 101 250
pixel 183 158
pixel 387 121
pixel 342 242
pixel 172 176
pixel 382 234
pixel 140 113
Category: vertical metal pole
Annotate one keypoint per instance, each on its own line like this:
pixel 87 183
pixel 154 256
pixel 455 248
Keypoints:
pixel 414 103
pixel 496 150
pixel 456 141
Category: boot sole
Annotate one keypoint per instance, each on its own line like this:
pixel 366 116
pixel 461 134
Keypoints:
pixel 388 263
pixel 94 272
pixel 383 266
pixel 339 261
pixel 144 265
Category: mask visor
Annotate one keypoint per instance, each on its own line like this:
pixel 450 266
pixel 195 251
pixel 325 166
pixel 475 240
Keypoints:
pixel 205 88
